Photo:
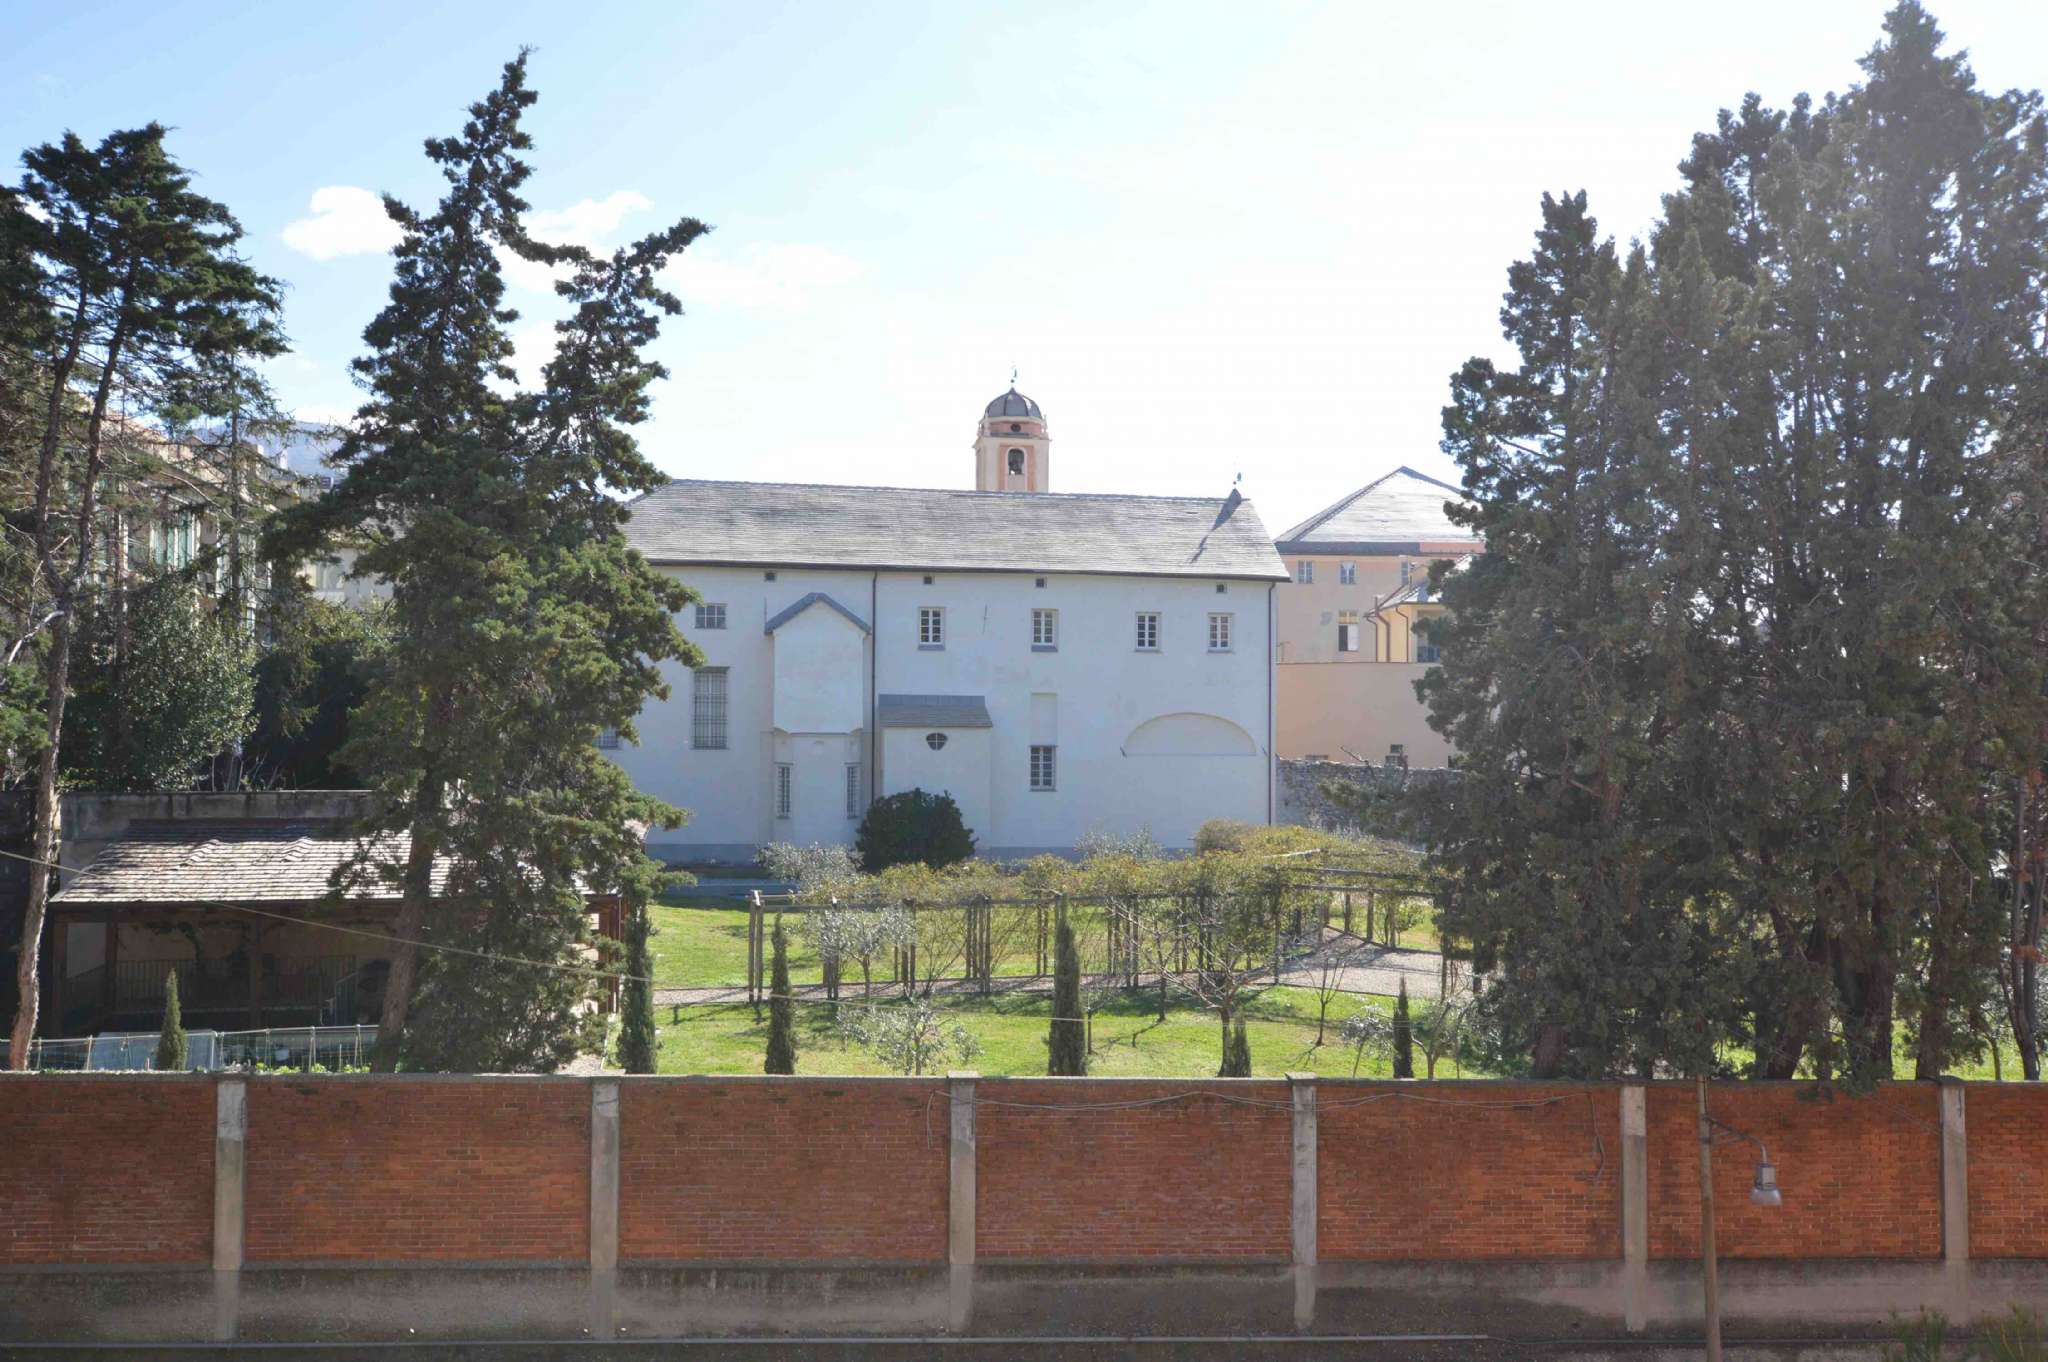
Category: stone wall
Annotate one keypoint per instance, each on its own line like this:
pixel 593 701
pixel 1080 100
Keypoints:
pixel 1305 801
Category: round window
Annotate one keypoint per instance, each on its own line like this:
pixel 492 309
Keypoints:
pixel 1016 425
pixel 935 741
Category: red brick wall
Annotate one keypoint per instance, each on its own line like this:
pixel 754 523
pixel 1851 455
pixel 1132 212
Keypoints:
pixel 1467 1172
pixel 1860 1176
pixel 475 1169
pixel 106 1170
pixel 1195 1178
pixel 810 1170
pixel 2008 1170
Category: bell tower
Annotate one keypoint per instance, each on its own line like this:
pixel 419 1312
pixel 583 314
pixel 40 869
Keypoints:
pixel 1012 449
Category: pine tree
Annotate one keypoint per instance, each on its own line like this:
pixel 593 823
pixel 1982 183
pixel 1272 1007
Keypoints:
pixel 522 625
pixel 1404 1036
pixel 781 1008
pixel 114 275
pixel 171 1048
pixel 1067 1040
pixel 638 1040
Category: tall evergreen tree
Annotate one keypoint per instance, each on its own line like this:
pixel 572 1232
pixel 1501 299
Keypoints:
pixel 1751 671
pixel 172 1046
pixel 1237 1052
pixel 1067 1040
pixel 522 624
pixel 639 1042
pixel 129 276
pixel 781 1008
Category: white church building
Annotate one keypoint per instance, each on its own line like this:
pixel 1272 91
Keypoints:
pixel 1059 664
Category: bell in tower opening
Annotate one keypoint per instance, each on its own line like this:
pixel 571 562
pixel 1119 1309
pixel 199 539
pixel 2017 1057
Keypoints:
pixel 1012 448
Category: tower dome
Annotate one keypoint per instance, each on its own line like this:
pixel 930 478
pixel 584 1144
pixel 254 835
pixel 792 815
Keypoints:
pixel 1014 403
pixel 1012 447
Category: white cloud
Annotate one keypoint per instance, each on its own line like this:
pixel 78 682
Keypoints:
pixel 777 277
pixel 346 220
pixel 587 223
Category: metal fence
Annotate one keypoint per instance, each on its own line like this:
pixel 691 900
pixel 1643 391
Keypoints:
pixel 306 1049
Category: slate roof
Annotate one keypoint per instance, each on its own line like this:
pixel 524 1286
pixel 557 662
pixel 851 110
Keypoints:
pixel 777 524
pixel 177 861
pixel 932 711
pixel 1397 513
pixel 1014 403
pixel 783 617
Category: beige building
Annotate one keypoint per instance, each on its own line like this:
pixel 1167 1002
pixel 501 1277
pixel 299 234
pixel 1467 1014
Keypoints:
pixel 1349 652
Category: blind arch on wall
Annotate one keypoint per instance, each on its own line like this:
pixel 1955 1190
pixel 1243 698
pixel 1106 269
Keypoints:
pixel 1189 734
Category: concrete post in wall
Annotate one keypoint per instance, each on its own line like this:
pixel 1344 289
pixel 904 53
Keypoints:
pixel 1635 1207
pixel 230 1172
pixel 960 1201
pixel 1955 1201
pixel 1302 1087
pixel 604 1205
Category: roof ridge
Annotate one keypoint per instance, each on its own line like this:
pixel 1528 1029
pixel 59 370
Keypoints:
pixel 941 491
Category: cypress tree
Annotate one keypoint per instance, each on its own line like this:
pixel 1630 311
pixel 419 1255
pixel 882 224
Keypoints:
pixel 1067 1044
pixel 637 1039
pixel 781 1009
pixel 1404 1036
pixel 522 624
pixel 172 1051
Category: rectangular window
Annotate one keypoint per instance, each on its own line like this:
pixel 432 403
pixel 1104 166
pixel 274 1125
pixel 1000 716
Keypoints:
pixel 608 738
pixel 707 713
pixel 711 615
pixel 1042 767
pixel 1347 574
pixel 1347 631
pixel 931 626
pixel 1148 631
pixel 783 780
pixel 1219 633
pixel 1305 572
pixel 853 789
pixel 1407 571
pixel 1045 630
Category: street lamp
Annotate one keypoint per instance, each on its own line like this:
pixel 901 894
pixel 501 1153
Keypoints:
pixel 1763 1191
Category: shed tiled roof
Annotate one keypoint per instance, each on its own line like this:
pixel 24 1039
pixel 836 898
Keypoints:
pixel 773 524
pixel 932 711
pixel 1397 513
pixel 240 861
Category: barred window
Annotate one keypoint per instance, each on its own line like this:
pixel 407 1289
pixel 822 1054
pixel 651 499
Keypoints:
pixel 1045 628
pixel 707 717
pixel 853 789
pixel 1042 767
pixel 783 781
pixel 711 615
pixel 608 738
pixel 1219 633
pixel 1148 630
pixel 931 626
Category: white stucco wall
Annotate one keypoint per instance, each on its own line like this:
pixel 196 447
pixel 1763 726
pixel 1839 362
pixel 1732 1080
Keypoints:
pixel 1102 689
pixel 961 768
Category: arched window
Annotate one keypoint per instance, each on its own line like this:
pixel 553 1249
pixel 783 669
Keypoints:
pixel 935 741
pixel 1016 461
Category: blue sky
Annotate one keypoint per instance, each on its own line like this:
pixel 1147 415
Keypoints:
pixel 1215 239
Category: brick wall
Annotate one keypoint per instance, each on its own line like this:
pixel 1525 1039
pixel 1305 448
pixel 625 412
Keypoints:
pixel 1465 1173
pixel 1860 1176
pixel 463 1169
pixel 98 1172
pixel 1195 1178
pixel 800 1169
pixel 2008 1171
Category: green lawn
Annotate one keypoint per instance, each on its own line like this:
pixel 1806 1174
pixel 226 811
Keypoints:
pixel 1130 1041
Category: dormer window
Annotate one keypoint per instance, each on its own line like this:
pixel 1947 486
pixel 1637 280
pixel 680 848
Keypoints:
pixel 1017 462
